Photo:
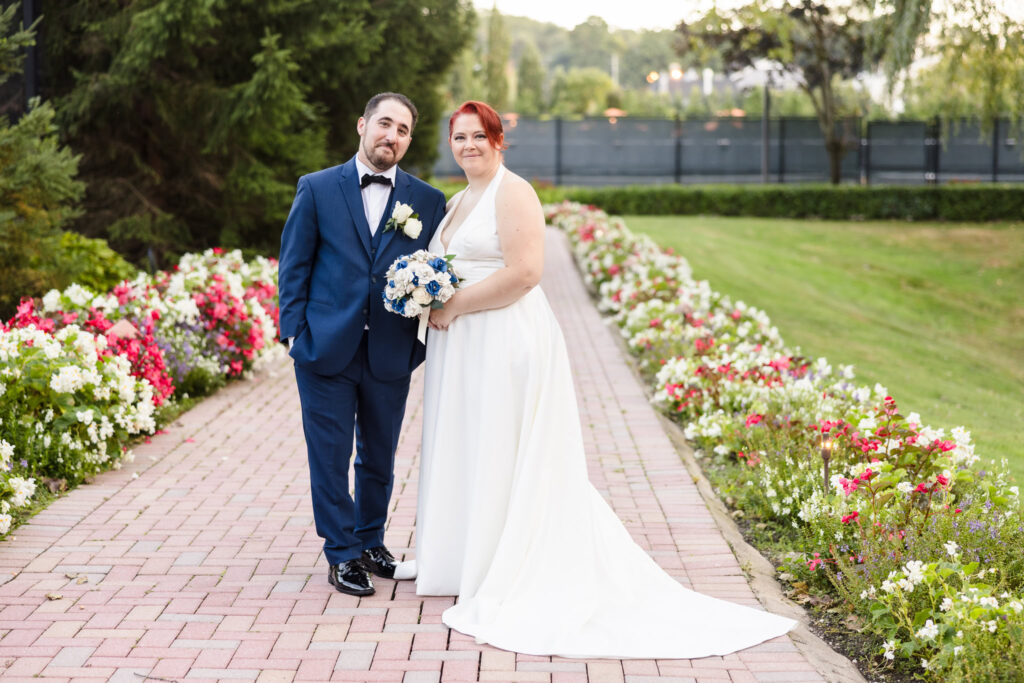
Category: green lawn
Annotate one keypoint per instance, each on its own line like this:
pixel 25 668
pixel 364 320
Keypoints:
pixel 935 312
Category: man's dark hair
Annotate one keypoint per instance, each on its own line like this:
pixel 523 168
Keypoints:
pixel 371 106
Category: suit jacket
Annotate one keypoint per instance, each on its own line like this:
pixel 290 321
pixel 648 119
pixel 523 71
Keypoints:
pixel 331 280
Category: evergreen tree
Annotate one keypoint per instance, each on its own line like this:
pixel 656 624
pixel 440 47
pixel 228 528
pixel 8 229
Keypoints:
pixel 196 117
pixel 37 184
pixel 495 78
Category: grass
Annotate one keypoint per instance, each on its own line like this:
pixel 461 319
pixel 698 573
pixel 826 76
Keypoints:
pixel 932 311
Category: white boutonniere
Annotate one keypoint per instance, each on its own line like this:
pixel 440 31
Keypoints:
pixel 405 219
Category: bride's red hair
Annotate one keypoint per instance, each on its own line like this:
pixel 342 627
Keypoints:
pixel 488 118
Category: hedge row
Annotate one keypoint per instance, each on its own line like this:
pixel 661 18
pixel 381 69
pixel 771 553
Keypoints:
pixel 843 202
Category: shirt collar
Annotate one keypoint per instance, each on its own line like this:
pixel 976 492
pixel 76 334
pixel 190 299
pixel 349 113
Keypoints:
pixel 362 169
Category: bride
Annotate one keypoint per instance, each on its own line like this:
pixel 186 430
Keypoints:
pixel 507 519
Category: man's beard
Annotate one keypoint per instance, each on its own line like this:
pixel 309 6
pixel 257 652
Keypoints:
pixel 378 157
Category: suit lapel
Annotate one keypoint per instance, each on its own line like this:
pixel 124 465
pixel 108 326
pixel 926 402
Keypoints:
pixel 349 181
pixel 400 194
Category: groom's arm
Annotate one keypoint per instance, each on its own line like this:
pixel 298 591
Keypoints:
pixel 298 251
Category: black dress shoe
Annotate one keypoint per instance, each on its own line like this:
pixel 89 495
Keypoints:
pixel 350 577
pixel 379 561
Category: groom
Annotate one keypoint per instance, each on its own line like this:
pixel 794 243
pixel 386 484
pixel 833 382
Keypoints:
pixel 353 358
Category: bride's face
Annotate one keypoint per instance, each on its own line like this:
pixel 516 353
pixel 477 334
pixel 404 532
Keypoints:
pixel 473 152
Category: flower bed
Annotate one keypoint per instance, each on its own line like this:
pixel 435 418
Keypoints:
pixel 867 509
pixel 73 396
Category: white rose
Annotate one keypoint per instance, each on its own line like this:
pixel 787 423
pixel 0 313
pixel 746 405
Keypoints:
pixel 420 296
pixel 412 227
pixel 401 212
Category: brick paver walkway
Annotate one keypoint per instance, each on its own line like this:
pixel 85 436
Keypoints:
pixel 199 560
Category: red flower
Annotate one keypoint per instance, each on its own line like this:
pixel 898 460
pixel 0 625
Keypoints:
pixel 850 517
pixel 754 419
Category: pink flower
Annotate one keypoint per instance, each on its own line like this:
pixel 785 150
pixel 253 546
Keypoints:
pixel 850 517
pixel 754 419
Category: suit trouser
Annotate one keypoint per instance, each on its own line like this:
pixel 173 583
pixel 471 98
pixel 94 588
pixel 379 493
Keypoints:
pixel 331 407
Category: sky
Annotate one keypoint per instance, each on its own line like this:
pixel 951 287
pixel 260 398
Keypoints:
pixel 628 14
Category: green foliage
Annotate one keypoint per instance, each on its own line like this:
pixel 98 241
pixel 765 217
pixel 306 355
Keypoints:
pixel 37 186
pixel 90 263
pixel 580 92
pixel 195 117
pixel 976 76
pixel 591 45
pixel 915 203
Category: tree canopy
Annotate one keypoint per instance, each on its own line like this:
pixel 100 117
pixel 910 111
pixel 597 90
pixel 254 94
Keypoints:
pixel 195 117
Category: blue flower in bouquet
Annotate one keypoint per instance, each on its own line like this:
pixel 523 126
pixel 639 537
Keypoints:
pixel 454 280
pixel 417 283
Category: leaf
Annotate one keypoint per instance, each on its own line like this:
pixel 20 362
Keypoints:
pixel 54 596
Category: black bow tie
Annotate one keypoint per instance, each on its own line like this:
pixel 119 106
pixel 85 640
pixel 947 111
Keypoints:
pixel 368 179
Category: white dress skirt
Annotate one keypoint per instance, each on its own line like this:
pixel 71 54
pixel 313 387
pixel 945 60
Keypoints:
pixel 507 519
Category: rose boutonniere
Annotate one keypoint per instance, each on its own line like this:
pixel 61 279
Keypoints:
pixel 405 219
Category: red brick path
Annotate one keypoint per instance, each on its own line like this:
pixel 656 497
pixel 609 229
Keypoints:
pixel 199 560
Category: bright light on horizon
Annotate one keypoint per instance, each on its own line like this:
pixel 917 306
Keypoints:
pixel 641 14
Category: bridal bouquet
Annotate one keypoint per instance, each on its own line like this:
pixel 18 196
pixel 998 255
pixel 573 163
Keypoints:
pixel 417 283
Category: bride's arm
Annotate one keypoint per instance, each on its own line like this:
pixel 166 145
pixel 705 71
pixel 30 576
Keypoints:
pixel 521 232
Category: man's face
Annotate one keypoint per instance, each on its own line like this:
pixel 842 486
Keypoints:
pixel 385 136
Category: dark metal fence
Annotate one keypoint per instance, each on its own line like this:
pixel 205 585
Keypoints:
pixel 628 150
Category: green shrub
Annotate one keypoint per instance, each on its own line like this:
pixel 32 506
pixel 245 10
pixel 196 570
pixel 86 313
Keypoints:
pixel 843 202
pixel 90 262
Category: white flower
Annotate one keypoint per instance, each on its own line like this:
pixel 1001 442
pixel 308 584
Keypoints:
pixel 420 296
pixel 946 605
pixel 401 212
pixel 6 452
pixel 51 301
pixel 905 487
pixel 990 625
pixel 951 548
pixel 412 227
pixel 890 649
pixel 957 649
pixel 867 424
pixel 989 602
pixel 5 523
pixel 721 449
pixel 915 571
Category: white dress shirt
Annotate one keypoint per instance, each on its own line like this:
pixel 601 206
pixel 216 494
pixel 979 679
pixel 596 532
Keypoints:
pixel 375 195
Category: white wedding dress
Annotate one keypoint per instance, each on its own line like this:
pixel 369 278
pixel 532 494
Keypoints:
pixel 507 518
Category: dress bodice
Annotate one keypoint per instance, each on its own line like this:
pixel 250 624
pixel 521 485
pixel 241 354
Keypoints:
pixel 475 243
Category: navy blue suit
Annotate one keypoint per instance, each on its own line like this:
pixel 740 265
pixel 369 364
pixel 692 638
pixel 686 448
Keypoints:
pixel 330 279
